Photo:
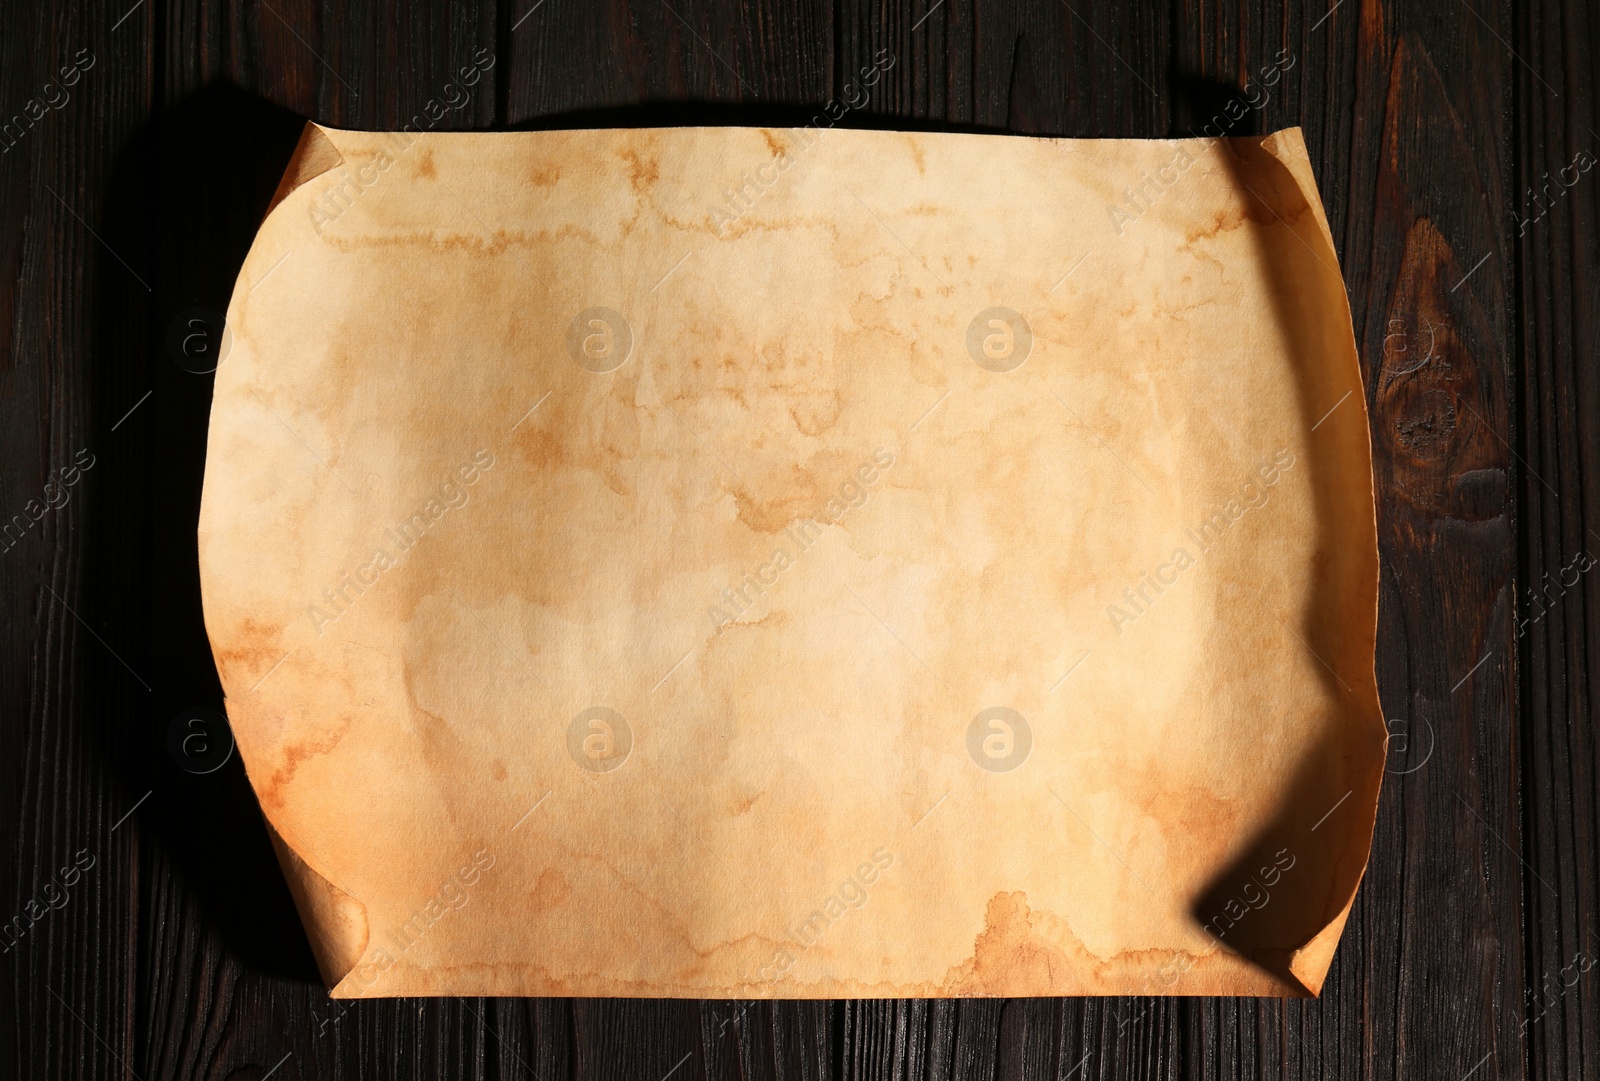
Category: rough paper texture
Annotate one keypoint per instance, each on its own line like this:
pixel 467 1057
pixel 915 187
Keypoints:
pixel 797 563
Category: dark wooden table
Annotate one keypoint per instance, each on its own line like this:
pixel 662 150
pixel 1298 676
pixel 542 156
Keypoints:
pixel 150 933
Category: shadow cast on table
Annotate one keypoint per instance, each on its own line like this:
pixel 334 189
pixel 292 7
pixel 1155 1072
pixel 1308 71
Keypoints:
pixel 186 197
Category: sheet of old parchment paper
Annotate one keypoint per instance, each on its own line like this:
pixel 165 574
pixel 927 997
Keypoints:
pixel 799 563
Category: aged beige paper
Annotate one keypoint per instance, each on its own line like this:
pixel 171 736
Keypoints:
pixel 800 563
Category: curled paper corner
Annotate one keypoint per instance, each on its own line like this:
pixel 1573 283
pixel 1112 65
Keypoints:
pixel 335 923
pixel 313 155
pixel 1310 963
pixel 1288 146
pixel 508 646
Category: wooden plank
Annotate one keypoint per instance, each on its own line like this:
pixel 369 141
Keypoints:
pixel 1385 95
pixel 1434 336
pixel 73 671
pixel 1552 212
pixel 226 981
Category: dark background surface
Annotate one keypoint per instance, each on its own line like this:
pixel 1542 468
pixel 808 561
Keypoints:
pixel 1438 130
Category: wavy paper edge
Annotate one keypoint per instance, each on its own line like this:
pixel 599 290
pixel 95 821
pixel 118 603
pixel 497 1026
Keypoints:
pixel 336 922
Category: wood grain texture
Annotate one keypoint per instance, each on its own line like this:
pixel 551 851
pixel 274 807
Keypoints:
pixel 1555 244
pixel 1439 130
